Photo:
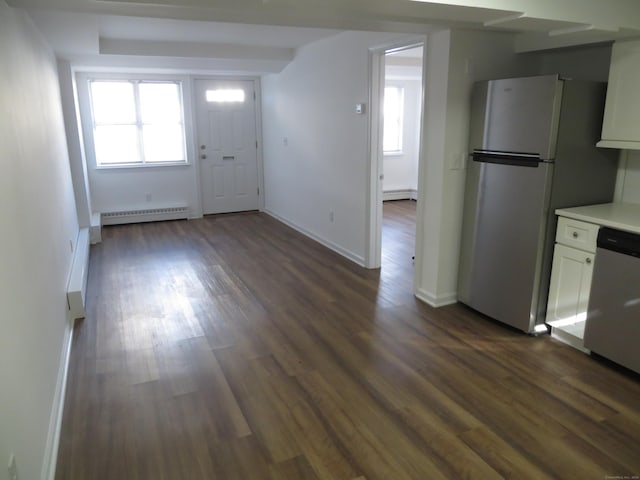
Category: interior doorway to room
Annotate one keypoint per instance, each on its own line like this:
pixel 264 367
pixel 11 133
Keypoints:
pixel 401 136
pixel 227 147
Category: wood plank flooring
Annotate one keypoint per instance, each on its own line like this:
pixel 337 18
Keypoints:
pixel 232 347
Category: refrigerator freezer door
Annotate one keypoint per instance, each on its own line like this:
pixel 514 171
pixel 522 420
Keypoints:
pixel 522 115
pixel 504 227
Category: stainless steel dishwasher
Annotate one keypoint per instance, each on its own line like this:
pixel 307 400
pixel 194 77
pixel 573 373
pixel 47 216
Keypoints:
pixel 613 317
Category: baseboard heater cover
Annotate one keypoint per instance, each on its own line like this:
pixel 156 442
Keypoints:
pixel 144 215
pixel 399 195
pixel 77 284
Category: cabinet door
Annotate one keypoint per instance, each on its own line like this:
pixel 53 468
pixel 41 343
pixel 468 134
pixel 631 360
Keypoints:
pixel 570 285
pixel 622 111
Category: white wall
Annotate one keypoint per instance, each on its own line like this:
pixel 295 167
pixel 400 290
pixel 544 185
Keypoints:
pixel 628 185
pixel 585 63
pixel 592 63
pixel 75 145
pixel 454 60
pixel 401 170
pixel 322 166
pixel 38 219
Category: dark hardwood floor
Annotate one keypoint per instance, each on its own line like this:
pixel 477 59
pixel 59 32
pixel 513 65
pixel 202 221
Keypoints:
pixel 232 347
pixel 398 243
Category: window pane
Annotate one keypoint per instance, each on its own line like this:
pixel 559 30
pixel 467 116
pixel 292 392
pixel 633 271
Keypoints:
pixel 160 102
pixel 225 95
pixel 393 103
pixel 116 144
pixel 163 143
pixel 113 102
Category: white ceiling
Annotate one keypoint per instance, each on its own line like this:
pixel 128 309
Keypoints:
pixel 111 41
pixel 262 36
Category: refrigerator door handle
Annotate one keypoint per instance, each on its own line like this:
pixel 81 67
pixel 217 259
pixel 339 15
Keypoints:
pixel 507 158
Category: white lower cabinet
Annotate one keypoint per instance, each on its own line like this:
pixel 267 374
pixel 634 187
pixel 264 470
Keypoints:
pixel 570 284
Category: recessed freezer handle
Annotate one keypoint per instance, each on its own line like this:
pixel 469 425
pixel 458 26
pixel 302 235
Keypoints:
pixel 507 158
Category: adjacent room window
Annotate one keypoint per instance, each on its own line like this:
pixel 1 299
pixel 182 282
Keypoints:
pixel 393 115
pixel 137 122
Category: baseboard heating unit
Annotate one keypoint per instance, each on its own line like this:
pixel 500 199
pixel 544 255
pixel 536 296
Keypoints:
pixel 144 215
pixel 77 285
pixel 399 195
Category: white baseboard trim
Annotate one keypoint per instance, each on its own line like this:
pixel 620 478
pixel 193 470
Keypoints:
pixel 400 195
pixel 323 241
pixel 436 301
pixel 57 409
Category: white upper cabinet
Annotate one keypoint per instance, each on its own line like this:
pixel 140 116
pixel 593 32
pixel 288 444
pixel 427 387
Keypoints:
pixel 621 126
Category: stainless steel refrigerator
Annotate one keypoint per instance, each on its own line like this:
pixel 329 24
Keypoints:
pixel 532 150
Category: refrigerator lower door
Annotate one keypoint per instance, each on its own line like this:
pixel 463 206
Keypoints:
pixel 503 238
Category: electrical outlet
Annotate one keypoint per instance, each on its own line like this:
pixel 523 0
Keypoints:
pixel 148 197
pixel 12 468
pixel 331 216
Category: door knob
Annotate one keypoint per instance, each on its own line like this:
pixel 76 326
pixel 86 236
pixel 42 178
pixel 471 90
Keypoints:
pixel 203 156
pixel 588 261
pixel 202 147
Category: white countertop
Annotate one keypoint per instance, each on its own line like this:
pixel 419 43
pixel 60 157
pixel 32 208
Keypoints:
pixel 623 216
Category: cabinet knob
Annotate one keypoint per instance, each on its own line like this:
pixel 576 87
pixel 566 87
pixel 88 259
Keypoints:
pixel 588 260
pixel 575 234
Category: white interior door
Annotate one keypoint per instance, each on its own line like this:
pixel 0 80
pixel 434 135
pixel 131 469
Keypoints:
pixel 227 146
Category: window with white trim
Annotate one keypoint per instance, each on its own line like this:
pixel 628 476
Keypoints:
pixel 137 122
pixel 393 116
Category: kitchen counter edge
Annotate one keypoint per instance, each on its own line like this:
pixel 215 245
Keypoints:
pixel 622 216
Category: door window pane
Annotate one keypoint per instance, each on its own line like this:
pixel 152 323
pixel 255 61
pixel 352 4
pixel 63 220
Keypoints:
pixel 225 95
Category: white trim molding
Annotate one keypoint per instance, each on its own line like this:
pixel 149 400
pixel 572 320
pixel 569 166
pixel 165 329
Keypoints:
pixel 434 300
pixel 57 409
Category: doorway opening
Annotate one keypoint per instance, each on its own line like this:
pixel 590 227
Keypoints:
pixel 397 86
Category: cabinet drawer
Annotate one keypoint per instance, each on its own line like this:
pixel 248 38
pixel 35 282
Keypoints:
pixel 577 234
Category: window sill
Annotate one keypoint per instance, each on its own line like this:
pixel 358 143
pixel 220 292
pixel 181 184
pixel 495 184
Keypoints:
pixel 393 154
pixel 125 166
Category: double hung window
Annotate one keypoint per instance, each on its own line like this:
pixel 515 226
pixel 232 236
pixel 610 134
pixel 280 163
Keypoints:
pixel 137 122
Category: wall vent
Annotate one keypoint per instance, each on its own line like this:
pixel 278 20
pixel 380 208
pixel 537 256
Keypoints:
pixel 144 215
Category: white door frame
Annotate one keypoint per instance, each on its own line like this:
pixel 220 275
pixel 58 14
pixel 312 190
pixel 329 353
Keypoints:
pixel 258 114
pixel 373 252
